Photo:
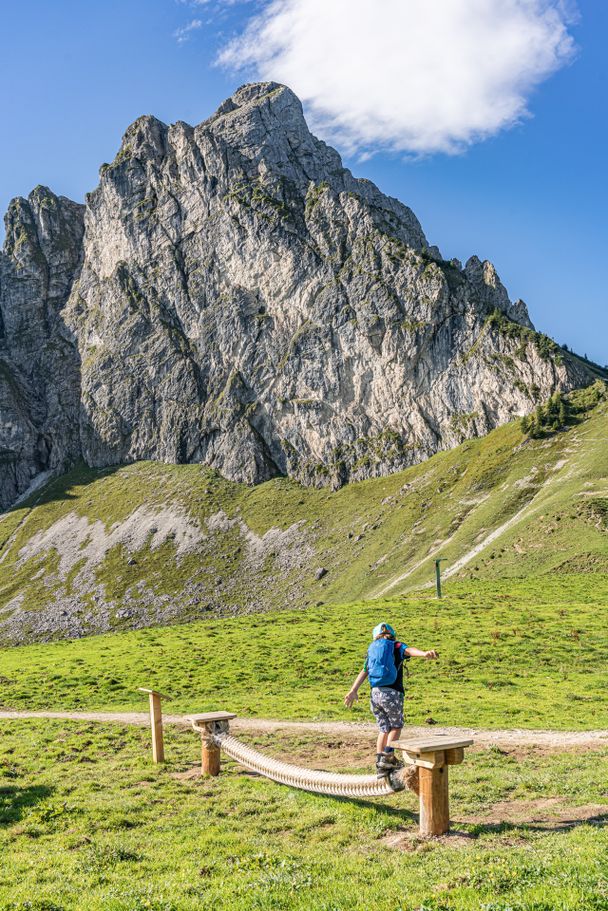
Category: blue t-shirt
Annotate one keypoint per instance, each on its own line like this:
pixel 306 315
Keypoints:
pixel 400 657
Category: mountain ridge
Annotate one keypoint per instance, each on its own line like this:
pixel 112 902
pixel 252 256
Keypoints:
pixel 231 295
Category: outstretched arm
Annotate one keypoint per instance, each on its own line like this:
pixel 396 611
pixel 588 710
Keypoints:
pixel 353 693
pixel 413 652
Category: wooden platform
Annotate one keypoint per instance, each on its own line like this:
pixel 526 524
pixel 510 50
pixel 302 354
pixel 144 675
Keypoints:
pixel 433 752
pixel 432 744
pixel 143 689
pixel 205 724
pixel 210 717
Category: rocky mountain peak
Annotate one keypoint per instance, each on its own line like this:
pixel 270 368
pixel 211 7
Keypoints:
pixel 486 281
pixel 253 93
pixel 145 138
pixel 265 122
pixel 232 295
pixel 42 224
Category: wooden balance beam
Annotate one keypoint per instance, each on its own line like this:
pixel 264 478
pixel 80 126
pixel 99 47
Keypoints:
pixel 433 756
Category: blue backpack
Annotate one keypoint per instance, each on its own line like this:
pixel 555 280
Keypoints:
pixel 381 667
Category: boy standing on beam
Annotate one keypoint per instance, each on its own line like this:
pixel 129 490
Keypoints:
pixel 384 667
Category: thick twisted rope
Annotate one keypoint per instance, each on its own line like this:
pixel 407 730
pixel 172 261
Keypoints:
pixel 331 783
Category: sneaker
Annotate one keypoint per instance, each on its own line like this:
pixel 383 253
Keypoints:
pixel 388 762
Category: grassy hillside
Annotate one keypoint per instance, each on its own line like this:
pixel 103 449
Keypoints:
pixel 512 654
pixel 150 544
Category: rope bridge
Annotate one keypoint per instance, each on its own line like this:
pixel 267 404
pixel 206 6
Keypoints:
pixel 426 773
pixel 332 783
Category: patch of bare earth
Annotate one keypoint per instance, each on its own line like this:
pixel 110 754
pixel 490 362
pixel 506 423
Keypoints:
pixel 411 842
pixel 511 821
pixel 545 813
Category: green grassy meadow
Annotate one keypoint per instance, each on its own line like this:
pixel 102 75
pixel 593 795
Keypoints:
pixel 87 824
pixel 513 653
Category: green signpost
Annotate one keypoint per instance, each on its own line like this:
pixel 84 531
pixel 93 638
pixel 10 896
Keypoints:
pixel 438 575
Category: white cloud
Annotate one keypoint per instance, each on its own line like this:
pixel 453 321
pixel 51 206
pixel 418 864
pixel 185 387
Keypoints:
pixel 183 33
pixel 415 76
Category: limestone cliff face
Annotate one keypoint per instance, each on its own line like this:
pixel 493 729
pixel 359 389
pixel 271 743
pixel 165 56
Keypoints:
pixel 238 298
pixel 39 360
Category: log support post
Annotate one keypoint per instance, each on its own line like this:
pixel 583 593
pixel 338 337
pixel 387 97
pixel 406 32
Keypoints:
pixel 434 801
pixel 433 758
pixel 210 751
pixel 156 724
pixel 209 726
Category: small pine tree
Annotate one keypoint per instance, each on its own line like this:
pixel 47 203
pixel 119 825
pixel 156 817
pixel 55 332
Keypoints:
pixel 552 413
pixel 536 428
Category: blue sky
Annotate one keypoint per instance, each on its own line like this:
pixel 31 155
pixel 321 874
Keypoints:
pixel 532 197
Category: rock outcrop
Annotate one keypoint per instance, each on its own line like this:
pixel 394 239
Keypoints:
pixel 231 295
pixel 39 358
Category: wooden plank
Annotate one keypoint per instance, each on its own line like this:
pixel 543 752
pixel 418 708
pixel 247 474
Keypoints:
pixel 455 756
pixel 434 801
pixel 142 689
pixel 428 760
pixel 211 716
pixel 431 744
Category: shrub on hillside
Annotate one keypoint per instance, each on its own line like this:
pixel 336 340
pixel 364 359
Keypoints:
pixel 562 411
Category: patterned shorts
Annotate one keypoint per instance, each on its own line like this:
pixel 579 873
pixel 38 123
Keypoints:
pixel 387 706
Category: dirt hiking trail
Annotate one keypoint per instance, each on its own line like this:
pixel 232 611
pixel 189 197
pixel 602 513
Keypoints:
pixel 482 737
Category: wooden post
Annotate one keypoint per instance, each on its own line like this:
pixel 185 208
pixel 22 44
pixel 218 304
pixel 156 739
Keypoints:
pixel 434 801
pixel 156 724
pixel 207 725
pixel 433 756
pixel 210 758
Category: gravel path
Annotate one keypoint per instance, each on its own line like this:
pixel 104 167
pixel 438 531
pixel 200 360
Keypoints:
pixel 501 738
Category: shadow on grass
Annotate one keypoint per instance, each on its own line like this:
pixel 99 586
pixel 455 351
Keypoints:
pixel 398 812
pixel 14 800
pixel 59 488
pixel 56 489
pixel 366 804
pixel 547 828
